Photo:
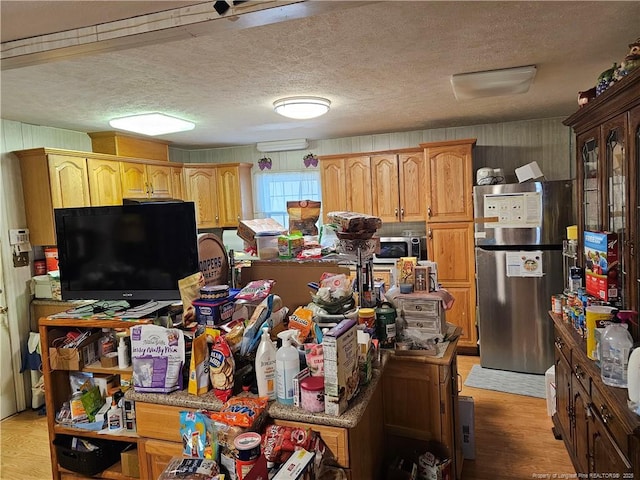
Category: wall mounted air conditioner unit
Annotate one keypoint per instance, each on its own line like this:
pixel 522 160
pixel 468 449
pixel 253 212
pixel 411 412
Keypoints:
pixel 282 145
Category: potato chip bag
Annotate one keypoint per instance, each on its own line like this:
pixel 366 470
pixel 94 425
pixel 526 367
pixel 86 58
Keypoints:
pixel 221 369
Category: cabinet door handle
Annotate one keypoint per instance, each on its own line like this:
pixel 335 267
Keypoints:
pixel 459 382
pixel 559 343
pixel 401 213
pixel 604 413
pixel 578 372
pixel 430 234
pixel 395 212
pixel 429 211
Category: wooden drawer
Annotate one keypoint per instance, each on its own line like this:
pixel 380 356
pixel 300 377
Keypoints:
pixel 579 371
pixel 335 438
pixel 561 345
pixel 157 455
pixel 159 421
pixel 610 419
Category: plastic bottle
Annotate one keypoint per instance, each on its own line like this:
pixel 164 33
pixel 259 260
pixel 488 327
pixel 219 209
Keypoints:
pixel 616 345
pixel 107 342
pixel 633 380
pixel 266 366
pixel 114 417
pixel 287 367
pixel 123 354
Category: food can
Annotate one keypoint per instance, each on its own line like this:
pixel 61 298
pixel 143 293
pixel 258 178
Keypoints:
pixel 556 304
pixel 40 267
pixel 386 325
pixel 248 446
pixel 367 317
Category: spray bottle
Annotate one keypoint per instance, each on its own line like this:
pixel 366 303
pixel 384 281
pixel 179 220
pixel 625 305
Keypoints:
pixel 616 345
pixel 287 367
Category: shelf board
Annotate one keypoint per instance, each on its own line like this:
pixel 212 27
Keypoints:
pixel 114 472
pixel 79 432
pixel 96 367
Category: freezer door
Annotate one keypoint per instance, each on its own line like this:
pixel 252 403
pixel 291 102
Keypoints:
pixel 515 330
pixel 533 213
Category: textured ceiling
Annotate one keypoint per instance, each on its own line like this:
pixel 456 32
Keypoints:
pixel 385 66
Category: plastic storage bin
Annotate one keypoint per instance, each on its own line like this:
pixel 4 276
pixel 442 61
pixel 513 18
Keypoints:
pixel 88 463
pixel 267 243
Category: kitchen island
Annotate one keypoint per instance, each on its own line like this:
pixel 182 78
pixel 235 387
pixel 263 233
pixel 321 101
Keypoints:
pixel 355 438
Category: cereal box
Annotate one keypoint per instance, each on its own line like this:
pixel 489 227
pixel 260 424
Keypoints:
pixel 341 372
pixel 601 265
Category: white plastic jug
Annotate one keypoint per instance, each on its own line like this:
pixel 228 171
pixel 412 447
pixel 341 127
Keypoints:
pixel 616 344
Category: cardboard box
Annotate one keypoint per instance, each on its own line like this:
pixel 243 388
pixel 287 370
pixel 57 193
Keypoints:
pixel 601 265
pixel 467 421
pixel 550 389
pixel 61 358
pixel 295 466
pixel 247 229
pixel 341 371
pixel 45 286
pixel 130 464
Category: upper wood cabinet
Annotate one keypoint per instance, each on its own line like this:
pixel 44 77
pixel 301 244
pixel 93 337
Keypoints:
pixel 141 180
pixel 51 180
pixel 399 185
pixel 449 180
pixel 390 185
pixel 105 187
pixel 54 178
pixel 607 155
pixel 222 193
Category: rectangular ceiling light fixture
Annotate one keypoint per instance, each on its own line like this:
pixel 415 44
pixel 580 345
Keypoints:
pixel 152 124
pixel 282 145
pixel 493 83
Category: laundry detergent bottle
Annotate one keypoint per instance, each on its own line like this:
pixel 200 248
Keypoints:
pixel 616 346
pixel 287 367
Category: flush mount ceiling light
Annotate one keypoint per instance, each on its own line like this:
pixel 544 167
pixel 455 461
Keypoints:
pixel 492 83
pixel 282 145
pixel 152 124
pixel 302 108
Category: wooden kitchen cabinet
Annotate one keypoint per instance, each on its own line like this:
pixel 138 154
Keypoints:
pixel 105 187
pixel 51 179
pixel 141 180
pixel 421 403
pixel 334 186
pixel 359 197
pixel 449 180
pixel 398 183
pixel 601 434
pixel 177 183
pixel 346 184
pixel 221 192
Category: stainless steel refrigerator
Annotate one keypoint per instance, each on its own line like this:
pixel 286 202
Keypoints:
pixel 519 230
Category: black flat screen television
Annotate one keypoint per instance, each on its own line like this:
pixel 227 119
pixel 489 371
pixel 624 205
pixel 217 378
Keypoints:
pixel 126 252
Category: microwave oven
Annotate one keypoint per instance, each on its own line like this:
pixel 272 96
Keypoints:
pixel 393 248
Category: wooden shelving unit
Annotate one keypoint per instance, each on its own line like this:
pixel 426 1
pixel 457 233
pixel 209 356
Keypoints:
pixel 58 391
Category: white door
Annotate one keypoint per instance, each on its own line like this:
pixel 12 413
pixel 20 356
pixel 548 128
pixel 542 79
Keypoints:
pixel 8 402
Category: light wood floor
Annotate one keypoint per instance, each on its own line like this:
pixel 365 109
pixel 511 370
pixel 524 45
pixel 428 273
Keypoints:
pixel 513 439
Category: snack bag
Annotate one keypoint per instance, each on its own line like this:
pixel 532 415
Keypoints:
pixel 241 411
pixel 221 369
pixel 192 469
pixel 189 291
pixel 255 291
pixel 199 366
pixel 302 321
pixel 198 435
pixel 303 215
pixel 279 442
pixel 315 359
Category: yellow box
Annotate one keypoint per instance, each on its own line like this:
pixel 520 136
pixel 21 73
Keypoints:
pixel 572 232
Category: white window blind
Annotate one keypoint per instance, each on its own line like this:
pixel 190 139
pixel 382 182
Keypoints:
pixel 274 190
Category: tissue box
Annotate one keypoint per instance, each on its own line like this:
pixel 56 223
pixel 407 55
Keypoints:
pixel 530 171
pixel 247 229
pixel 601 265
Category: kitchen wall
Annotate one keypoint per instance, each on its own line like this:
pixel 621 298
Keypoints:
pixel 500 145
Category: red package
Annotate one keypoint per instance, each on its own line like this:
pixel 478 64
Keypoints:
pixel 221 369
pixel 279 441
pixel 255 291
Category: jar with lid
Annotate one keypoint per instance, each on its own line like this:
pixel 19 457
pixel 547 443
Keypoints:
pixel 367 317
pixel 312 394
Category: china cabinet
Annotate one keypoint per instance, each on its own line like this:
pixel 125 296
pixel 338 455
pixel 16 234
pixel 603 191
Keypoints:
pixel 607 137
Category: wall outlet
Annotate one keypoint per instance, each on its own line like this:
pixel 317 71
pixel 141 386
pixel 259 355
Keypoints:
pixel 21 259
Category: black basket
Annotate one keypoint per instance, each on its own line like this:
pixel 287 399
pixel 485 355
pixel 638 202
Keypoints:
pixel 87 463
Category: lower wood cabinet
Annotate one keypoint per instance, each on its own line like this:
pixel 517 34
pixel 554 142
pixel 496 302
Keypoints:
pixel 421 404
pixel 157 455
pixel 601 434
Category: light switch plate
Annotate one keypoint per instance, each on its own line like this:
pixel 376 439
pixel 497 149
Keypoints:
pixel 21 259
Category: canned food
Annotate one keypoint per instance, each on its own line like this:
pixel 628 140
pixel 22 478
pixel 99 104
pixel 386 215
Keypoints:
pixel 556 304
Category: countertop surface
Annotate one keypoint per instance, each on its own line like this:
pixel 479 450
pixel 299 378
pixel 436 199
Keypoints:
pixel 208 401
